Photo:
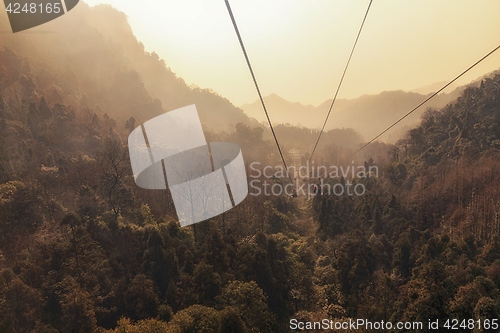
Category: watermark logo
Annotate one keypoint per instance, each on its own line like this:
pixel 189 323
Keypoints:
pixel 28 14
pixel 205 179
pixel 309 180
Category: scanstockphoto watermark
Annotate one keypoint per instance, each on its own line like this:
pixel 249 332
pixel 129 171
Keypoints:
pixel 309 179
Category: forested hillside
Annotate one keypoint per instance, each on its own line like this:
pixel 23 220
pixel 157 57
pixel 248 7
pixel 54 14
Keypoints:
pixel 83 249
pixel 92 60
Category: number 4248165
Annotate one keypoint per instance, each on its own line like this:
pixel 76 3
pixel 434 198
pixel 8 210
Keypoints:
pixel 33 8
pixel 455 324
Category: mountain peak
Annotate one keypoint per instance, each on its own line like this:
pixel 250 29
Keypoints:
pixel 275 97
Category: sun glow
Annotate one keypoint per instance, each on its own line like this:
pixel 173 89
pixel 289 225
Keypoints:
pixel 299 48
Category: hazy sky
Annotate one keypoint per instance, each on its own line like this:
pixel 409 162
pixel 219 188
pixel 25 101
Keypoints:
pixel 299 48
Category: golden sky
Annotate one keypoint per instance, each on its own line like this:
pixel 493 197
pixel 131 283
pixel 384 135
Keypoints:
pixel 299 48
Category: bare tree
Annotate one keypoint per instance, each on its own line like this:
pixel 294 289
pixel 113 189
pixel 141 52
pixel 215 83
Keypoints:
pixel 113 162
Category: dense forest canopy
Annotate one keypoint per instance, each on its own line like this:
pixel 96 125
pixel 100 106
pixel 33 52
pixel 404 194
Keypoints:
pixel 83 249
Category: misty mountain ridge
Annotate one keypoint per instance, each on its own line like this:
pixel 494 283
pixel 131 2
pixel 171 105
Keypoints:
pixel 92 60
pixel 367 114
